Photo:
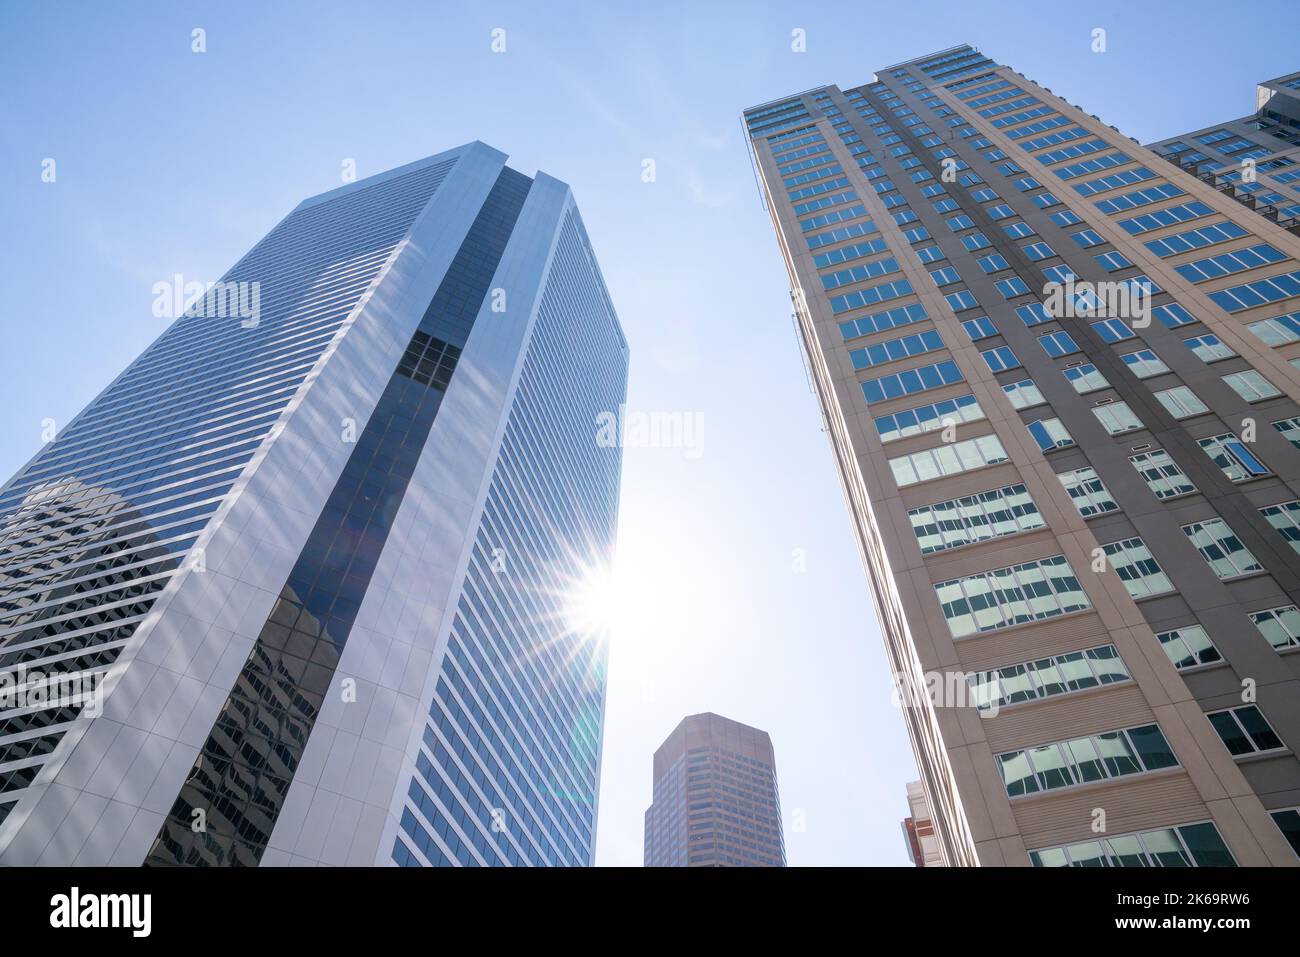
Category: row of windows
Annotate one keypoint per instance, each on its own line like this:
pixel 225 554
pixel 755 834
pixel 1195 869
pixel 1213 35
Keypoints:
pixel 911 381
pixel 865 271
pixel 1137 198
pixel 831 217
pixel 1196 239
pixel 894 349
pixel 974 518
pixel 949 459
pixel 1258 293
pixel 880 321
pixel 1226 264
pixel 850 252
pixel 1104 184
pixel 1187 845
pixel 1047 677
pixel 1169 216
pixel 926 418
pixel 864 228
pixel 871 295
pixel 1015 595
pixel 1096 757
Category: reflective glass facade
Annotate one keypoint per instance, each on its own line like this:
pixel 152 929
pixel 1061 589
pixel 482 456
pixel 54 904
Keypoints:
pixel 295 548
pixel 509 762
pixel 93 529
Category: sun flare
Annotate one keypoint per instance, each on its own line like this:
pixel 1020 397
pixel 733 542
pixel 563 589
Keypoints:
pixel 592 606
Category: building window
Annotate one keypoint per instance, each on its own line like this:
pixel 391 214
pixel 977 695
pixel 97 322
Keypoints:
pixel 960 301
pixel 1008 596
pixel 1113 330
pixel 947 459
pixel 979 328
pixel 1173 315
pixel 1181 402
pixel 1089 494
pixel 1000 359
pixel 1116 417
pixel 974 518
pixel 1279 626
pixel 1222 549
pixel 1226 264
pixel 1188 845
pixel 1162 475
pixel 1112 754
pixel 945 277
pixel 1137 568
pixel 1251 386
pixel 1208 348
pixel 1032 313
pixel 1057 344
pixel 926 418
pixel 1250 294
pixel 1144 363
pixel 1085 378
pixel 1023 394
pixel 1047 677
pixel 1189 646
pixel 1277 331
pixel 1050 434
pixel 1244 730
pixel 892 350
pixel 1288 821
pixel 1112 261
pixel 1011 287
pixel 1285 517
pixel 1197 238
pixel 1231 455
pixel 913 380
pixel 881 321
pixel 1290 429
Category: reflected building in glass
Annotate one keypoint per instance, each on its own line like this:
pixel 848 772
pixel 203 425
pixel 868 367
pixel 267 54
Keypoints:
pixel 312 558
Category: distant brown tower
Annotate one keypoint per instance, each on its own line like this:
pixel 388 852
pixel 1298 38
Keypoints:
pixel 716 802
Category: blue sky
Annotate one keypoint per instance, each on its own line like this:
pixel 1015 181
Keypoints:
pixel 174 162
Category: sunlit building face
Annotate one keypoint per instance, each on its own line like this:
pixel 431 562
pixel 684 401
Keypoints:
pixel 1059 375
pixel 333 560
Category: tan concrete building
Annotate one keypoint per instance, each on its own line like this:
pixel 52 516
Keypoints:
pixel 716 802
pixel 1059 380
pixel 1255 158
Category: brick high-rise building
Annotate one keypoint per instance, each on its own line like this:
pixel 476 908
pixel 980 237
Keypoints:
pixel 1059 379
pixel 716 802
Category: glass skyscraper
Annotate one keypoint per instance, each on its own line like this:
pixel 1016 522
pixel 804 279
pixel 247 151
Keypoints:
pixel 308 556
pixel 1059 376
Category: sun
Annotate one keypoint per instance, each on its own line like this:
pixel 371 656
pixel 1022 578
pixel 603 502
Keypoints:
pixel 593 605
